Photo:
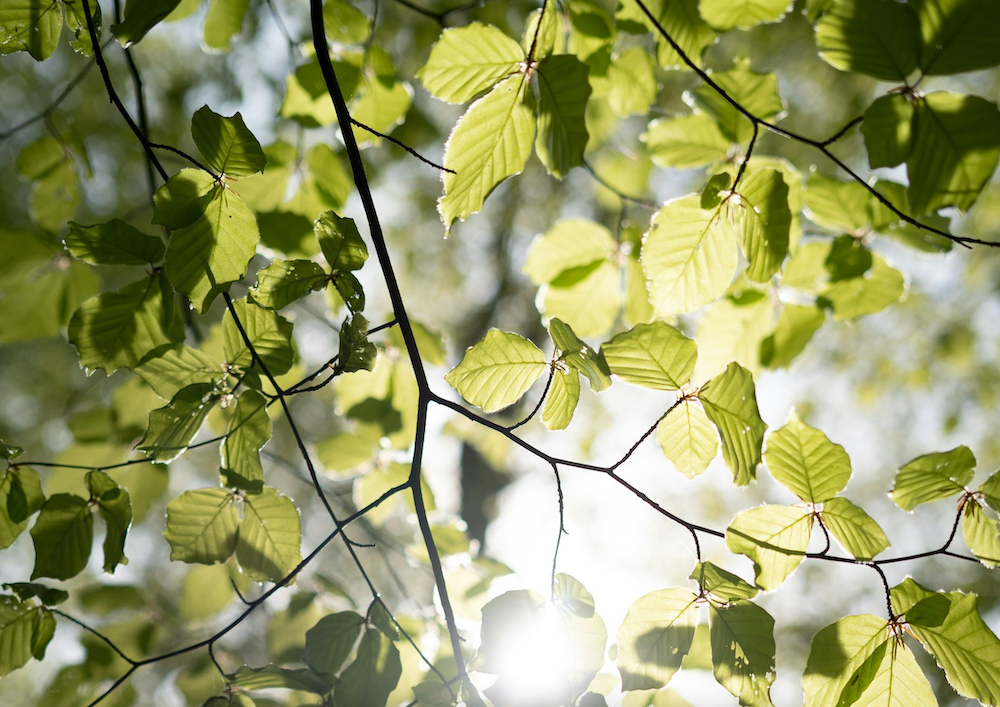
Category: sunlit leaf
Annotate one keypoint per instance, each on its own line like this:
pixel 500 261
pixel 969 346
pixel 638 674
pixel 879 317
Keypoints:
pixel 177 366
pixel 285 281
pixel 497 371
pixel 688 439
pixel 774 537
pixel 33 26
pixel 687 141
pixel 368 680
pixel 887 127
pixel 732 330
pixel 173 426
pixel 724 586
pixel 932 477
pixel 724 15
pixel 271 676
pixel 689 256
pixel 561 401
pixel 680 20
pixel 866 294
pixel 576 354
pixel 588 298
pixel 655 636
pixel 958 35
pixel 653 355
pixel 140 17
pixel 207 590
pixel 757 93
pixel 268 333
pixel 765 220
pixel 115 508
pixel 743 650
pixel 562 132
pixel 62 536
pixel 632 82
pixel 880 38
pixel 356 352
pixel 270 536
pixel 806 462
pixel 981 533
pixel 730 402
pixel 568 244
pixel 344 23
pixel 203 526
pixel 249 430
pixel 855 531
pixel 223 21
pixel 113 243
pixel 466 61
pixel 228 146
pixel 330 642
pixel 491 142
pixel 183 198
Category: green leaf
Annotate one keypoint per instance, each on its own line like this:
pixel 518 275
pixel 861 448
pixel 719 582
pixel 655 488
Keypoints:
pixel 757 93
pixel 888 130
pixel 20 496
pixel 433 693
pixel 568 244
pixel 270 536
pixel 205 257
pixel 562 131
pixel 173 426
pixel 18 622
pixel 724 586
pixel 340 242
pixel 272 676
pixel 731 404
pixel 838 656
pixel 249 430
pixel 724 15
pixel 62 536
pixel 794 330
pixel 368 680
pixel 48 596
pixel 497 371
pixel 467 61
pixel 854 529
pixel 344 23
pixel 491 142
pixel 115 508
pixel 689 256
pixel 962 644
pixel 203 526
pixel 743 648
pixel 330 642
pixel 356 352
pixel 207 590
pixel 33 26
pixel 285 281
pixel 688 141
pixel 113 243
pixel 804 460
pixel 183 199
pixel 269 333
pixel 39 307
pixel 688 439
pixel 119 329
pixel 653 356
pixel 140 17
pixel 990 489
pixel 632 82
pixel 223 21
pixel 981 533
pixel 587 298
pixel 958 35
pixel 575 353
pixel 228 146
pixel 932 477
pixel 561 401
pixel 732 330
pixel 178 366
pixel 76 22
pixel 774 537
pixel 879 38
pixel 380 618
pixel 655 636
pixel 870 293
pixel 956 145
pixel 765 220
pixel 344 451
pixel 680 20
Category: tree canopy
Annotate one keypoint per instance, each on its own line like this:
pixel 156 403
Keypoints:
pixel 290 291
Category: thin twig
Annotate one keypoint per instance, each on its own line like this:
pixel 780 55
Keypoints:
pixel 406 147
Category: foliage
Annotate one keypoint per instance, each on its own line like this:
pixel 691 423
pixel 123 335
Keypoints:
pixel 697 228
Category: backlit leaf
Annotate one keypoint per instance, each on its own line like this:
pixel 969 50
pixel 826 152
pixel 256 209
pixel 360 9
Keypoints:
pixel 497 371
pixel 688 439
pixel 839 661
pixel 932 477
pixel 285 281
pixel 981 533
pixel 888 130
pixel 228 146
pixel 33 26
pixel 632 82
pixel 249 430
pixel 368 680
pixel 173 426
pixel 223 21
pixel 724 586
pixel 203 526
pixel 568 244
pixel 687 141
pixel 140 17
pixel 561 401
pixel 115 508
pixel 743 648
pixel 806 462
pixel 330 642
pixel 342 245
pixel 724 15
pixel 757 93
pixel 959 35
pixel 653 355
pixel 562 132
pixel 62 536
pixel 774 537
pixel 270 536
pixel 880 38
pixel 655 636
pixel 765 220
pixel 269 333
pixel 113 243
pixel 18 621
pixel 730 402
pixel 466 61
pixel 853 529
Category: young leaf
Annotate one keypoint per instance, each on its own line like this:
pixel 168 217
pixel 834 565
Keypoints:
pixel 491 142
pixel 228 146
pixel 837 204
pixel 990 489
pixel 330 642
pixel 731 404
pixel 981 533
pixel 743 648
pixel 958 35
pixel 178 366
pixel 932 477
pixel 962 644
pixel 269 333
pixel 113 243
pixel 806 462
pixel 724 15
pixel 285 281
pixel 956 145
pixel 653 356
pixel 794 330
pixel 345 24
pixel 374 673
pixel 655 636
pixel 270 536
pixel 757 93
pixel 568 244
pixel 173 426
pixel 774 537
pixel 854 529
pixel 837 658
pixel 632 82
pixel 18 623
pixel 724 586
pixel 33 26
pixel 223 21
pixel 466 61
pixel 20 496
pixel 342 245
pixel 115 507
pixel 888 131
pixel 764 220
pixel 48 596
pixel 183 198
pixel 680 20
pixel 579 356
pixel 732 331
pixel 273 676
pixel 205 257
pixel 687 141
pixel 119 329
pixel 688 439
pixel 62 536
pixel 202 526
pixel 689 256
pixel 880 38
pixel 562 132
pixel 249 430
pixel 587 298
pixel 560 403
pixel 140 17
pixel 497 371
pixel 356 352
